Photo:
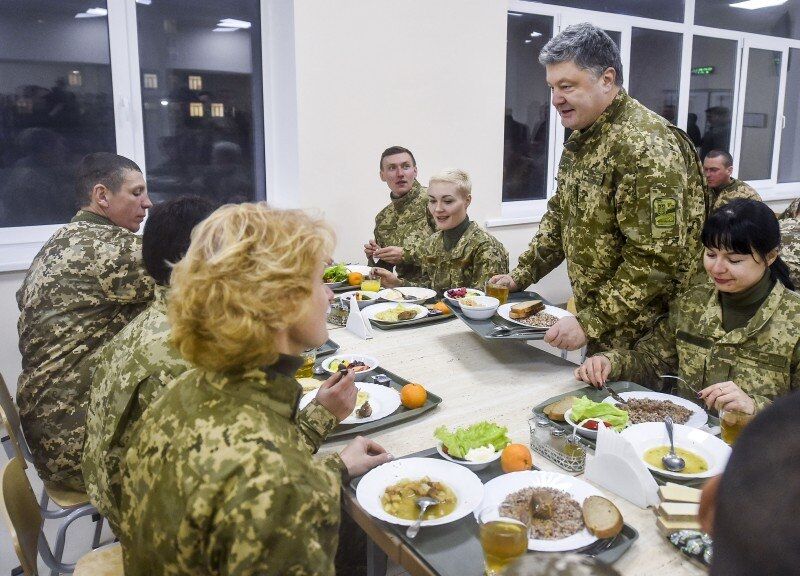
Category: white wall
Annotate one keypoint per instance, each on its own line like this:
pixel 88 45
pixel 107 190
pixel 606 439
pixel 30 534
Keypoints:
pixel 10 359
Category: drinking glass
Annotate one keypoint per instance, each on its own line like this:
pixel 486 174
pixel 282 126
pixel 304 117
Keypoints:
pixel 497 290
pixel 732 422
pixel 307 369
pixel 503 539
pixel 371 284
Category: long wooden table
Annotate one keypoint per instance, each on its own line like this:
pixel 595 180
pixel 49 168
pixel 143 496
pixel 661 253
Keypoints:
pixel 478 380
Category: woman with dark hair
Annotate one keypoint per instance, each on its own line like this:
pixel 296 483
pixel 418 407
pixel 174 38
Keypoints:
pixel 736 340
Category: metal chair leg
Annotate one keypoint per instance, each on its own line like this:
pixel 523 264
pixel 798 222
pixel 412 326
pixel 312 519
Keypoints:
pixel 98 529
pixel 376 559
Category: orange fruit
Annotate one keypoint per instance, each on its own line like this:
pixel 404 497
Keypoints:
pixel 355 278
pixel 442 307
pixel 413 395
pixel 516 457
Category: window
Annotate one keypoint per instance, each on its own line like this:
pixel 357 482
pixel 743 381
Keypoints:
pixel 789 167
pixel 655 70
pixel 55 105
pixel 659 10
pixel 203 122
pixel 756 16
pixel 527 126
pixel 760 106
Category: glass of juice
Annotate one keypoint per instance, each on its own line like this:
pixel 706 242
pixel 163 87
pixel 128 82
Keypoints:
pixel 732 423
pixel 503 539
pixel 307 369
pixel 498 291
pixel 371 284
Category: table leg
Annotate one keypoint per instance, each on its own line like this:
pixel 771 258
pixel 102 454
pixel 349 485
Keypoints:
pixel 376 559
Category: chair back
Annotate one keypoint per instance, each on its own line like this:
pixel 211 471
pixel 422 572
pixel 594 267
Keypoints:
pixel 22 514
pixel 12 437
pixel 12 424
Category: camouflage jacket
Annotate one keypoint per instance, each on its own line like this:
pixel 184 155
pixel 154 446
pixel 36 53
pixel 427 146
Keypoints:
pixel 731 191
pixel 84 285
pixel 626 216
pixel 790 247
pixel 132 371
pixel 762 358
pixel 792 210
pixel 476 257
pixel 406 223
pixel 218 481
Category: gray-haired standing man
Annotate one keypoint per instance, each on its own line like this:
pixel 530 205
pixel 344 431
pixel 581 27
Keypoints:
pixel 629 206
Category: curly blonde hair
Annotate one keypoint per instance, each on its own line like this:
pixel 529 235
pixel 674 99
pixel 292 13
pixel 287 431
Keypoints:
pixel 245 276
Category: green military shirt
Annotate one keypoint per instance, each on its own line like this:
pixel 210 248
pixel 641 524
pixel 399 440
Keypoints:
pixel 626 216
pixel 731 191
pixel 790 241
pixel 131 372
pixel 762 358
pixel 406 223
pixel 476 257
pixel 219 481
pixel 84 285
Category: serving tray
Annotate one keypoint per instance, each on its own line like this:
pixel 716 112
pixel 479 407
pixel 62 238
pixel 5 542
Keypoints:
pixel 328 348
pixel 484 327
pixel 409 323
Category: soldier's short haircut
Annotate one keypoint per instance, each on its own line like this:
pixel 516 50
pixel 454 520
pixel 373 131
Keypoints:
pixel 247 274
pixel 727 159
pixel 103 168
pixel 167 233
pixel 392 150
pixel 454 176
pixel 586 45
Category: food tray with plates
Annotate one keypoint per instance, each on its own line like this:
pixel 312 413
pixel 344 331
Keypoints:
pixel 623 388
pixel 401 414
pixel 455 549
pixel 425 315
pixel 328 348
pixel 485 328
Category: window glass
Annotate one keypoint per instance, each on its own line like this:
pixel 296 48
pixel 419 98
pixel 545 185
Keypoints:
pixel 201 75
pixel 758 16
pixel 661 10
pixel 711 87
pixel 789 167
pixel 527 115
pixel 760 107
pixel 55 104
pixel 655 70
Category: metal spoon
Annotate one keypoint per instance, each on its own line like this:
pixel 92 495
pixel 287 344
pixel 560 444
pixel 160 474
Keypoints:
pixel 506 331
pixel 672 461
pixel 318 370
pixel 423 502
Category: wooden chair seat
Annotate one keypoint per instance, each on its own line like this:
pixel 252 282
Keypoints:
pixel 65 497
pixel 105 561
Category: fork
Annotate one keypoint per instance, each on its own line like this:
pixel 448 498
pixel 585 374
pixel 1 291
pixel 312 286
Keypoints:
pixel 681 379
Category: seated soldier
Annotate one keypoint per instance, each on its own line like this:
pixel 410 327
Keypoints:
pixel 736 341
pixel 718 167
pixel 218 479
pixel 459 253
pixel 789 221
pixel 135 367
pixel 84 285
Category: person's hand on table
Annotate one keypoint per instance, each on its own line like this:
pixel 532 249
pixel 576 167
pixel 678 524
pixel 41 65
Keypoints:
pixel 727 396
pixel 362 455
pixel 388 279
pixel 594 371
pixel 391 254
pixel 338 394
pixel 504 280
pixel 370 247
pixel 566 334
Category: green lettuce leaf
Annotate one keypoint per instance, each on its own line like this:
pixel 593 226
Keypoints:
pixel 583 408
pixel 461 441
pixel 337 273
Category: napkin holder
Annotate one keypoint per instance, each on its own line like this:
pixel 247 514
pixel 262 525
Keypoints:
pixel 616 467
pixel 356 322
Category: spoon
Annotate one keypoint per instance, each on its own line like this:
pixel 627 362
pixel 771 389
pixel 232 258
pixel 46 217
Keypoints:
pixel 672 461
pixel 506 331
pixel 423 502
pixel 318 369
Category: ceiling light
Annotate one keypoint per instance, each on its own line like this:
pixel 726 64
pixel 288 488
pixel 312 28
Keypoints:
pixel 756 4
pixel 224 29
pixel 528 41
pixel 535 34
pixel 145 2
pixel 165 102
pixel 233 23
pixel 97 11
pixel 515 14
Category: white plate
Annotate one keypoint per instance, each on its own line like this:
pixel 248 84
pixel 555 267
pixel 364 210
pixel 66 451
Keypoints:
pixel 384 402
pixel 467 463
pixel 368 360
pixel 652 434
pixel 419 295
pixel 504 309
pixel 464 483
pixel 497 489
pixel 361 269
pixel 470 292
pixel 361 303
pixel 372 311
pixel 585 432
pixel 698 418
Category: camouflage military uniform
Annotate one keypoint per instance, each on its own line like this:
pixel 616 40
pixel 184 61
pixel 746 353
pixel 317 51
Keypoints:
pixel 131 372
pixel 84 285
pixel 731 191
pixel 219 481
pixel 476 257
pixel 406 223
pixel 790 247
pixel 792 210
pixel 762 358
pixel 627 217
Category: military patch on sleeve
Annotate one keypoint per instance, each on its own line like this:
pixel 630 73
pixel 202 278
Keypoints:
pixel 665 212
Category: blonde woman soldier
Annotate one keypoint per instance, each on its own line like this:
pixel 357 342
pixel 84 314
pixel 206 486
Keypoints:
pixel 459 253
pixel 218 479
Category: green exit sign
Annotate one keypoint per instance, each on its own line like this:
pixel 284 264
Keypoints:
pixel 702 70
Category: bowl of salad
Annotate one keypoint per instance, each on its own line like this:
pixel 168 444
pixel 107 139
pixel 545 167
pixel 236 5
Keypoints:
pixel 335 276
pixel 474 447
pixel 587 416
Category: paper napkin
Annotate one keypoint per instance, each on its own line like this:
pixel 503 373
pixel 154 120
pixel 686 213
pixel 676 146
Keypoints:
pixel 356 322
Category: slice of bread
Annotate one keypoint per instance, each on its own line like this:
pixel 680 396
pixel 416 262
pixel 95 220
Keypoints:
pixel 556 410
pixel 525 309
pixel 678 493
pixel 678 511
pixel 602 517
pixel 667 527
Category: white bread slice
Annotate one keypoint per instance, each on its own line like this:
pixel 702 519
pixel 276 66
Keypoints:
pixel 602 517
pixel 678 511
pixel 667 527
pixel 556 410
pixel 525 309
pixel 672 492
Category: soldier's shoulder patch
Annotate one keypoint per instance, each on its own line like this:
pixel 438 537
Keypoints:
pixel 665 212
